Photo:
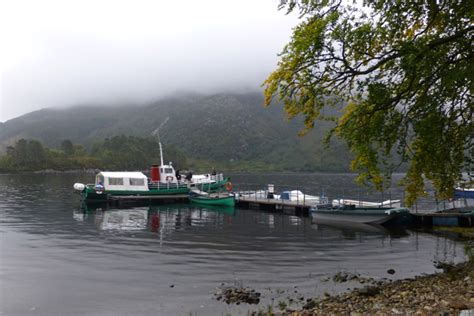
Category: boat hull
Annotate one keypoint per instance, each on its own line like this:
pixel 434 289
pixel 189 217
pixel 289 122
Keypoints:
pixel 90 195
pixel 464 193
pixel 224 201
pixel 361 216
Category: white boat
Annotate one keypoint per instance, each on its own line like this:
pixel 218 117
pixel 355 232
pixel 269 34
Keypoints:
pixel 290 196
pixel 387 203
pixel 254 195
pixel 300 197
pixel 352 214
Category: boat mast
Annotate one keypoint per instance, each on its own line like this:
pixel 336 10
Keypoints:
pixel 161 151
pixel 157 133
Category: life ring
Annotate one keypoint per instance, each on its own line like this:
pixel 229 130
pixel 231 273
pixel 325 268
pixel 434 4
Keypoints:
pixel 169 178
pixel 229 186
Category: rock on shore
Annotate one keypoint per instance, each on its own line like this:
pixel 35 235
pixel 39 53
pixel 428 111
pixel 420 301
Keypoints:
pixel 446 293
pixel 237 295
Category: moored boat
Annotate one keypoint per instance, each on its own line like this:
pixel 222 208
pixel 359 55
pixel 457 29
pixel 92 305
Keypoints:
pixel 464 193
pixel 223 199
pixel 300 197
pixel 295 196
pixel 164 180
pixel 357 203
pixel 109 184
pixel 351 214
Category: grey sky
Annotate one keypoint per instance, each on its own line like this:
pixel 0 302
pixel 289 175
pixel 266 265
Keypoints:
pixel 60 52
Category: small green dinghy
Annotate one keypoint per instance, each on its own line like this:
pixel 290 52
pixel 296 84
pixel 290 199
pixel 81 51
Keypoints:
pixel 212 199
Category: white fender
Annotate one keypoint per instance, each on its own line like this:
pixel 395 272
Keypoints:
pixel 79 186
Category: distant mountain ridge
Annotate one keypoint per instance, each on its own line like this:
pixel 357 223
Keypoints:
pixel 232 130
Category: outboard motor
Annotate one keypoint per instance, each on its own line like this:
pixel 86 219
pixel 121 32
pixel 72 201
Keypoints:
pixel 178 175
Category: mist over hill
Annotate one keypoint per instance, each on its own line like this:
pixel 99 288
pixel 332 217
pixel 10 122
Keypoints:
pixel 232 131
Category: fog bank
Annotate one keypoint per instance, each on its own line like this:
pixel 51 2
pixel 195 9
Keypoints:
pixel 61 53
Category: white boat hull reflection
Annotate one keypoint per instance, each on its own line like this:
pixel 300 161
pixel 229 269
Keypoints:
pixel 129 220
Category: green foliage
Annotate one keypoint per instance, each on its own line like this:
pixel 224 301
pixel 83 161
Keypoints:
pixel 405 70
pixel 25 155
pixel 132 153
pixel 67 147
pixel 469 250
pixel 116 153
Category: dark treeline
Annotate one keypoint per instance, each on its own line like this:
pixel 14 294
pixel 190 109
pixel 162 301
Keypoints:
pixel 116 153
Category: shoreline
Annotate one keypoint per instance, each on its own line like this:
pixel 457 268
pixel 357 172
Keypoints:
pixel 448 292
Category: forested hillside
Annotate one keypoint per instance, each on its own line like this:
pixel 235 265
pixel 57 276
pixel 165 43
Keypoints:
pixel 119 153
pixel 230 131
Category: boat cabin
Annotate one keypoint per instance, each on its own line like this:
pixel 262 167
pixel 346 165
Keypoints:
pixel 122 181
pixel 167 174
pixel 163 174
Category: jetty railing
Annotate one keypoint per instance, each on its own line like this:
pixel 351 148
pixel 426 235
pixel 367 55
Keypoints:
pixel 305 196
pixel 393 197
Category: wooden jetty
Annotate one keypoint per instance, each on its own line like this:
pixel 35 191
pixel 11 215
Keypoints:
pixel 450 219
pixel 302 207
pixel 298 207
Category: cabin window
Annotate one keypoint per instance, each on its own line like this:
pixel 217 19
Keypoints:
pixel 100 180
pixel 115 181
pixel 137 181
pixel 168 170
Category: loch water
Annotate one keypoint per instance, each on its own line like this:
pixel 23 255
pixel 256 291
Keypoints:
pixel 59 258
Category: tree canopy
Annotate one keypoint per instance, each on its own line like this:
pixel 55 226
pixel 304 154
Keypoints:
pixel 116 153
pixel 404 72
pixel 130 152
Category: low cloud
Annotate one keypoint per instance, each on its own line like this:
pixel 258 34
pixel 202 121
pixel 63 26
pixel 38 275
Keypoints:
pixel 134 51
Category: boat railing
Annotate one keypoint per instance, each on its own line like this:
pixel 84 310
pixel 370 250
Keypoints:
pixel 209 178
pixel 168 185
pixel 258 195
pixel 297 196
pixel 217 177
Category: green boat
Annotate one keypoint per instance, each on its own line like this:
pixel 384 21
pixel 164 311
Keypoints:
pixel 164 180
pixel 213 199
pixel 109 184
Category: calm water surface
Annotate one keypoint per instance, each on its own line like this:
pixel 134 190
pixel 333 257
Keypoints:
pixel 57 258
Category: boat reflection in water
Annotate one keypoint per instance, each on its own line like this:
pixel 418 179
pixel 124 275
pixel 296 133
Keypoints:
pixel 350 230
pixel 153 218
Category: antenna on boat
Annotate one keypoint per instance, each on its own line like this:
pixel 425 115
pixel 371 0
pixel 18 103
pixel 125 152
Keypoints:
pixel 156 132
pixel 161 153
